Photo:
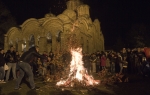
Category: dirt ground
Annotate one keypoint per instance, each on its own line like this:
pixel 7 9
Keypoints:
pixel 137 85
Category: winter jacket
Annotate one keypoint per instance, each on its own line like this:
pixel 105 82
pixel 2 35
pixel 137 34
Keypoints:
pixel 10 57
pixel 29 55
pixel 2 60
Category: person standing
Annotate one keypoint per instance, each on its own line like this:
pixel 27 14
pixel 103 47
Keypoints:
pixel 11 60
pixel 112 63
pixel 50 66
pixel 119 65
pixel 93 62
pixel 98 64
pixel 87 62
pixel 2 62
pixel 51 55
pixel 103 61
pixel 24 65
pixel 17 59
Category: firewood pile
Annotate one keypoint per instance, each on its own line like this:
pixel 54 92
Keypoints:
pixel 107 78
pixel 61 73
pixel 103 73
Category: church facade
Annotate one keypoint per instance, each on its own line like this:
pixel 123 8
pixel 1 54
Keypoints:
pixel 51 33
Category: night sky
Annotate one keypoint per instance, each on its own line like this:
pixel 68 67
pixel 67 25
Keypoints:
pixel 116 16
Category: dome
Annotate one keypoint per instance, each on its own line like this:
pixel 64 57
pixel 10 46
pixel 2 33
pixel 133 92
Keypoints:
pixel 70 13
pixel 64 18
pixel 49 15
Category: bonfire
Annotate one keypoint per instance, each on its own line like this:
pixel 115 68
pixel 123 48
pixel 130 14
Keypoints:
pixel 78 75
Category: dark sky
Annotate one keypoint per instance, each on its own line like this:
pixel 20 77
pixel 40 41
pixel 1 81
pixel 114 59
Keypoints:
pixel 116 16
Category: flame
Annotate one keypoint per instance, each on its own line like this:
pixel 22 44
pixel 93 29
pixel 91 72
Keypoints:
pixel 77 71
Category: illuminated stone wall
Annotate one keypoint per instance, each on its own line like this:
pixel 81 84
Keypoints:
pixel 51 33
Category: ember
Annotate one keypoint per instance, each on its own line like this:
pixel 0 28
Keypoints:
pixel 78 74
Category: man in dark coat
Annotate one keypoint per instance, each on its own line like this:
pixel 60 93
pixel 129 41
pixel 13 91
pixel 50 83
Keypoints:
pixel 11 60
pixel 112 62
pixel 25 67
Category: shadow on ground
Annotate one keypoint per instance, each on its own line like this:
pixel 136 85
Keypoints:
pixel 96 91
pixel 31 92
pixel 136 86
pixel 14 93
pixel 1 91
pixel 93 91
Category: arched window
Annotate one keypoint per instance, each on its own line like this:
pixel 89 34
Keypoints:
pixel 49 38
pixel 17 39
pixel 24 45
pixel 87 46
pixel 82 40
pixel 31 41
pixel 38 38
pixel 58 36
pixel 10 43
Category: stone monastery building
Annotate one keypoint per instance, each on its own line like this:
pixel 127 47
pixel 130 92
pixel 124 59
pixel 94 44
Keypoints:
pixel 51 32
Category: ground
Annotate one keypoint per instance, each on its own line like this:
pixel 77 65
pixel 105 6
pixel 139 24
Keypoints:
pixel 136 86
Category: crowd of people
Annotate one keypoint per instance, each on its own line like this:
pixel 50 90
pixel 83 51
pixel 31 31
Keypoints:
pixel 56 65
pixel 129 61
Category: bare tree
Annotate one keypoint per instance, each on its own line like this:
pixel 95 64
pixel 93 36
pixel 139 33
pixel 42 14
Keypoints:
pixel 138 36
pixel 6 22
